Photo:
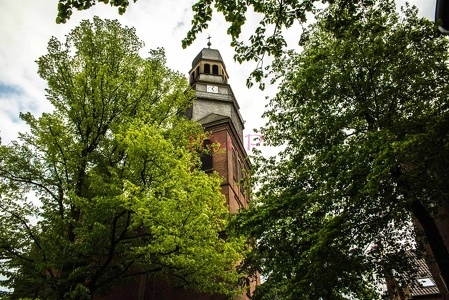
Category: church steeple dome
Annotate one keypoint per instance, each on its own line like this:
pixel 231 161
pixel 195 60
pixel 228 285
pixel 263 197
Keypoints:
pixel 208 65
pixel 215 99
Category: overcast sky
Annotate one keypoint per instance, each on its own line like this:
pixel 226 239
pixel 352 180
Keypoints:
pixel 27 25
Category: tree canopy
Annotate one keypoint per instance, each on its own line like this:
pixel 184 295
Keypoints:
pixel 363 115
pixel 266 39
pixel 116 175
pixel 65 7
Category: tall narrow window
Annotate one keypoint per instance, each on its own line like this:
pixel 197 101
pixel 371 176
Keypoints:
pixel 206 158
pixel 215 69
pixel 206 69
pixel 239 174
pixel 248 284
pixel 234 166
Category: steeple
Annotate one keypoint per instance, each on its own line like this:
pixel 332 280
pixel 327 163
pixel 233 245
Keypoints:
pixel 208 62
pixel 215 98
pixel 217 110
pixel 208 42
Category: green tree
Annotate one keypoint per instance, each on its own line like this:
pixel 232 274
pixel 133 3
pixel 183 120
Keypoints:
pixel 65 7
pixel 117 177
pixel 282 14
pixel 363 115
pixel 267 38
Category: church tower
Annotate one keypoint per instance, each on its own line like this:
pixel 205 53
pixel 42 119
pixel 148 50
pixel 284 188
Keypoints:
pixel 217 109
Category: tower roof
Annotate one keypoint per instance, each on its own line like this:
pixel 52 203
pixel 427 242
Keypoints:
pixel 208 54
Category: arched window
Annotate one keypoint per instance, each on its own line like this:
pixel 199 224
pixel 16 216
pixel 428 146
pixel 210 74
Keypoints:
pixel 215 69
pixel 206 69
pixel 235 166
pixel 206 158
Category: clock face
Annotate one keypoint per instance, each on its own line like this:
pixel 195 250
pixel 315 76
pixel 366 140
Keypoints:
pixel 212 89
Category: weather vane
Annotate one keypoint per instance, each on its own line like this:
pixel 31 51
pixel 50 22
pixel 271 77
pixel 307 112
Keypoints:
pixel 209 43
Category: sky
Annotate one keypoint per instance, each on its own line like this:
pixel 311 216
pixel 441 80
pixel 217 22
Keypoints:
pixel 27 25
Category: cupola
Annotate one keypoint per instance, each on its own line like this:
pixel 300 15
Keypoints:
pixel 208 66
pixel 215 100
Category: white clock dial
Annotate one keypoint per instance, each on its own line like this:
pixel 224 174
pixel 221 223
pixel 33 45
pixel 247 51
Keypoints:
pixel 212 89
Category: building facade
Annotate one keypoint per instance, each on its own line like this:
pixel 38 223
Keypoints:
pixel 217 109
pixel 423 287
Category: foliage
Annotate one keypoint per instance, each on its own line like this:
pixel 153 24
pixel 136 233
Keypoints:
pixel 268 37
pixel 119 189
pixel 276 17
pixel 65 7
pixel 363 115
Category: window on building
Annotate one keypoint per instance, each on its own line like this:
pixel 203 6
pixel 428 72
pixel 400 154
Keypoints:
pixel 241 181
pixel 239 169
pixel 248 285
pixel 215 69
pixel 238 203
pixel 426 282
pixel 234 166
pixel 206 69
pixel 206 158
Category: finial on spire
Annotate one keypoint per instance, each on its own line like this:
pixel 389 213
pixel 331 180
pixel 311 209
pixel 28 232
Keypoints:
pixel 209 43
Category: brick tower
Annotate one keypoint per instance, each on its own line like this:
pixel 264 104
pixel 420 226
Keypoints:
pixel 216 108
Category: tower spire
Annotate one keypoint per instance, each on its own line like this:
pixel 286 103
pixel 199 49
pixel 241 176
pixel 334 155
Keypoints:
pixel 209 43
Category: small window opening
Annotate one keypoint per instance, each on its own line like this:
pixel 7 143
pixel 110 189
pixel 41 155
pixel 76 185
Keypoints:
pixel 239 171
pixel 234 166
pixel 248 284
pixel 206 158
pixel 215 69
pixel 241 181
pixel 206 68
pixel 426 282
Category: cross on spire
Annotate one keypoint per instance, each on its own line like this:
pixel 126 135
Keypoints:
pixel 209 43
